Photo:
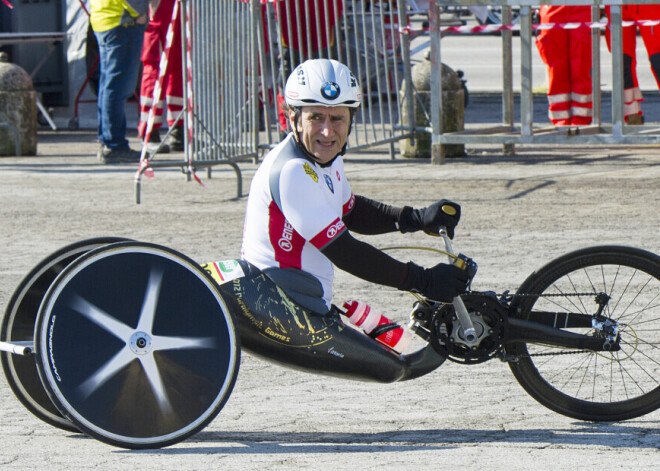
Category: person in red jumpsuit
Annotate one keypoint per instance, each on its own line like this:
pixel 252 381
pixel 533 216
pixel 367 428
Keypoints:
pixel 154 43
pixel 632 95
pixel 567 53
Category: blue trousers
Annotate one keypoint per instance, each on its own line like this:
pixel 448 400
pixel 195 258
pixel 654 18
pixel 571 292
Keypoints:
pixel 119 51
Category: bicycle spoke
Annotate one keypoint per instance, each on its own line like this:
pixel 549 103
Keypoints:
pixel 596 385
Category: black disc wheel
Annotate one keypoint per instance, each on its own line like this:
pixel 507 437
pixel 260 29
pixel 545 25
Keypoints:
pixel 136 346
pixel 18 327
pixel 624 284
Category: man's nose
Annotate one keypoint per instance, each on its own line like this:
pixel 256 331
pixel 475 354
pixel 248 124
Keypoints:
pixel 326 127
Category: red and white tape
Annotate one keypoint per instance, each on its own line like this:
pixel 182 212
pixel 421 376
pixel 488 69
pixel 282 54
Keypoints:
pixel 542 26
pixel 158 88
pixel 189 86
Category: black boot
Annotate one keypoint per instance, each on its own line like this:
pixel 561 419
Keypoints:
pixel 154 142
pixel 176 139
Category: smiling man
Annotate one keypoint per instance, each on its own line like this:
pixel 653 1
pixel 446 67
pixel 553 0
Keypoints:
pixel 323 131
pixel 301 210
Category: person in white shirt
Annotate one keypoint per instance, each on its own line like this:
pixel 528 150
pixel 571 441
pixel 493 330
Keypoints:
pixel 298 224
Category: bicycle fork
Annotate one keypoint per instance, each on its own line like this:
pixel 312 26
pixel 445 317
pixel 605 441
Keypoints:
pixel 469 332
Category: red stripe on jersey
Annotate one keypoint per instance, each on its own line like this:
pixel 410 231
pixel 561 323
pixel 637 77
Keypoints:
pixel 324 237
pixel 348 205
pixel 286 242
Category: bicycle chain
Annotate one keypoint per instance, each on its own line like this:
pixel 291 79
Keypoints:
pixel 544 295
pixel 572 352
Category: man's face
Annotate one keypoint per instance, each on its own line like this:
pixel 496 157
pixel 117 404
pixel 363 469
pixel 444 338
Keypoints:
pixel 323 130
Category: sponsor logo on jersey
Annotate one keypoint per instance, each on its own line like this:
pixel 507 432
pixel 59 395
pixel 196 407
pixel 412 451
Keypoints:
pixel 321 239
pixel 285 239
pixel 338 176
pixel 349 204
pixel 328 181
pixel 334 229
pixel 310 171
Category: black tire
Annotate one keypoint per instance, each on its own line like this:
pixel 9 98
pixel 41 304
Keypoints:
pixel 18 326
pixel 136 346
pixel 595 386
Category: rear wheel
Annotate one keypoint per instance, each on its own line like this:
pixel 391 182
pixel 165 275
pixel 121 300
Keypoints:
pixel 18 327
pixel 136 346
pixel 587 385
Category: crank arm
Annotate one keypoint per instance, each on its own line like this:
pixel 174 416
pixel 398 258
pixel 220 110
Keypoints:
pixel 459 307
pixel 521 330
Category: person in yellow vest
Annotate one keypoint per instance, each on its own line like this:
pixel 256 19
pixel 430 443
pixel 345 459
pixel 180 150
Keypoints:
pixel 119 27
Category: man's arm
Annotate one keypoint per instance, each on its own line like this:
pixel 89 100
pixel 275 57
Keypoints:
pixel 365 261
pixel 371 217
pixel 442 282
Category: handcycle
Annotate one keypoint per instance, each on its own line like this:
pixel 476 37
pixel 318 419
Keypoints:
pixel 137 345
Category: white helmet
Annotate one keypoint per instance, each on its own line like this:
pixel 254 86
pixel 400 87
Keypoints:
pixel 323 82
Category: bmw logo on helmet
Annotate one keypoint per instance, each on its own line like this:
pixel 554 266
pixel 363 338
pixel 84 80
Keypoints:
pixel 330 90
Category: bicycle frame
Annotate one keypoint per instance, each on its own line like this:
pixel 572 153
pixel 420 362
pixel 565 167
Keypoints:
pixel 540 327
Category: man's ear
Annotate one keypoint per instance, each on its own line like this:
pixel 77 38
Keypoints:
pixel 292 118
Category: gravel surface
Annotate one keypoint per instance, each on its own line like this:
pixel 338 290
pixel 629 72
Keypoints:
pixel 519 212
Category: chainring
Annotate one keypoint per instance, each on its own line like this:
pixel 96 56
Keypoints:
pixel 489 317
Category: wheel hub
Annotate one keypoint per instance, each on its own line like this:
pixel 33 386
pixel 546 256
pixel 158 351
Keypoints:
pixel 140 343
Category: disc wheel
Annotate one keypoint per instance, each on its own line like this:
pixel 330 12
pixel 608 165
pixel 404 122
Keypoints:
pixel 18 326
pixel 587 385
pixel 136 346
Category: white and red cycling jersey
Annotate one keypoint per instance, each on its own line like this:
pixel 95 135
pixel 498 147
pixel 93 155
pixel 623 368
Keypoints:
pixel 295 209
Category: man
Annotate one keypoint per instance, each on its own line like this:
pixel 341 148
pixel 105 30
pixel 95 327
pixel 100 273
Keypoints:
pixel 301 210
pixel 119 27
pixel 299 218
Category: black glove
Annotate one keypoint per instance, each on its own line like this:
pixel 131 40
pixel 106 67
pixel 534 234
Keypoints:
pixel 442 213
pixel 441 283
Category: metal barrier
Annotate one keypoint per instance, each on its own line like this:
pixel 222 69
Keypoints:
pixel 510 134
pixel 225 77
pixel 240 53
pixel 371 38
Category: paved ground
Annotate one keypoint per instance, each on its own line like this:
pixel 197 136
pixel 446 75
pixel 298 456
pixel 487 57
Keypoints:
pixel 519 212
